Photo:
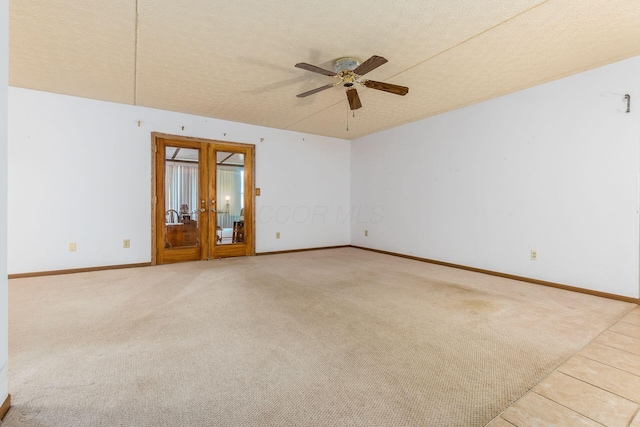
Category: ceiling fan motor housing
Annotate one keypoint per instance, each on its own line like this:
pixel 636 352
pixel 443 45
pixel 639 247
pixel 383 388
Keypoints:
pixel 344 68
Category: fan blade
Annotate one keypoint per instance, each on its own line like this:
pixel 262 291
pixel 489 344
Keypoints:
pixel 354 99
pixel 370 65
pixel 315 69
pixel 311 92
pixel 387 87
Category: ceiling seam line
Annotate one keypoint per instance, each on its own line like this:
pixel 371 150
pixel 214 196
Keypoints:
pixel 431 57
pixel 135 59
pixel 471 38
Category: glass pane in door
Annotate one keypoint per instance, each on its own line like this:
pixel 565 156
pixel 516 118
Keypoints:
pixel 181 197
pixel 229 198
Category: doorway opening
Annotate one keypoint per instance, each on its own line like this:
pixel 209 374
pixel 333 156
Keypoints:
pixel 203 199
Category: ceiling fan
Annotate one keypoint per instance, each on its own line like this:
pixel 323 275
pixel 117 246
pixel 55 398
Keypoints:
pixel 349 71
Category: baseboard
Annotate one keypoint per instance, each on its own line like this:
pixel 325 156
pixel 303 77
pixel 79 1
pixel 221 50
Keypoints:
pixel 510 276
pixel 415 258
pixel 301 250
pixel 77 270
pixel 5 407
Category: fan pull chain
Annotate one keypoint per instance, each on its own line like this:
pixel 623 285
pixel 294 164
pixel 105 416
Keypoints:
pixel 347 120
pixel 353 115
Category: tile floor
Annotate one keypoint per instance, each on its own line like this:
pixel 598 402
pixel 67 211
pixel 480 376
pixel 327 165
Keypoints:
pixel 599 386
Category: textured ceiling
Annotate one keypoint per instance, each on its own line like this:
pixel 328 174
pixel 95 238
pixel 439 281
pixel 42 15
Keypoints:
pixel 234 60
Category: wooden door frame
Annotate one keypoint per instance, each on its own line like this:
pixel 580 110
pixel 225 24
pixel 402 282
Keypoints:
pixel 250 217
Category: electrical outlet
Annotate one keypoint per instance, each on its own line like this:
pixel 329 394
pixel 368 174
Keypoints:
pixel 72 247
pixel 277 234
pixel 126 243
pixel 534 255
pixel 366 233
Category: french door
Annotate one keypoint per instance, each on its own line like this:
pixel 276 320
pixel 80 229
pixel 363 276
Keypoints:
pixel 203 201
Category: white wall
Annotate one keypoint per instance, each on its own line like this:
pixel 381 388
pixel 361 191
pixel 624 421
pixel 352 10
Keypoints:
pixel 80 171
pixel 553 168
pixel 4 81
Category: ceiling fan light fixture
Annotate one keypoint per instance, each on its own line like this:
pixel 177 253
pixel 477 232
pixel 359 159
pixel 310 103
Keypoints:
pixel 346 63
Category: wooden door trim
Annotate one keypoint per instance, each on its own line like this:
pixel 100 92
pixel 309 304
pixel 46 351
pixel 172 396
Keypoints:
pixel 155 135
pixel 154 197
pixel 155 158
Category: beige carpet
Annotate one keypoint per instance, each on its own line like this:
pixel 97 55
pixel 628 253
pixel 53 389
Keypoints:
pixel 340 337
